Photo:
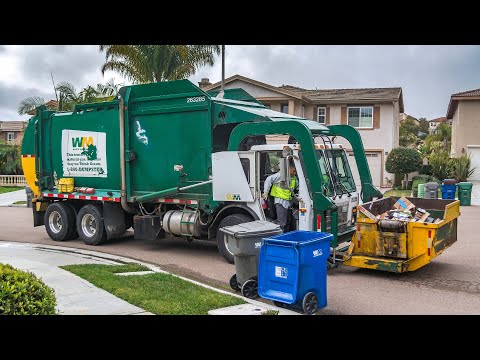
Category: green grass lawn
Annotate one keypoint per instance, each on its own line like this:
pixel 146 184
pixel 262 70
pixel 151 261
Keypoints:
pixel 398 193
pixel 158 293
pixel 6 189
pixel 20 202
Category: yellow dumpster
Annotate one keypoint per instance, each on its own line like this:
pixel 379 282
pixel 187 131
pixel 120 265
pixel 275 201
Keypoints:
pixel 396 246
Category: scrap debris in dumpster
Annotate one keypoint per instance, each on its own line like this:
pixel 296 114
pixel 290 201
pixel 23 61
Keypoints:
pixel 405 210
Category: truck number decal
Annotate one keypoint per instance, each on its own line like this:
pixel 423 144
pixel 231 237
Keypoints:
pixel 84 153
pixel 195 99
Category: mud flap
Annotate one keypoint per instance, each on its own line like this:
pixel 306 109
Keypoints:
pixel 38 217
pixel 148 227
pixel 113 219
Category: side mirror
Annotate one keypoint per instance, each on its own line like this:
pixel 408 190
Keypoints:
pixel 284 174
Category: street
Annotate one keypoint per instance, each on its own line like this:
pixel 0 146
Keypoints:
pixel 448 285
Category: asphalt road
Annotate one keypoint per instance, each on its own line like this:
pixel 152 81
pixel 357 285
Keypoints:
pixel 450 284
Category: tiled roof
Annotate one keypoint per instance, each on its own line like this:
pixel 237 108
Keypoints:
pixel 475 92
pixel 340 94
pixel 440 119
pixel 464 95
pixel 12 125
pixel 310 95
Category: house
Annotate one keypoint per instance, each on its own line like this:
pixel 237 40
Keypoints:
pixel 433 124
pixel 375 112
pixel 464 112
pixel 404 117
pixel 12 131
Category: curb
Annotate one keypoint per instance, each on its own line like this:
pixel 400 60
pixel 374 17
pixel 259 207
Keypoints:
pixel 122 259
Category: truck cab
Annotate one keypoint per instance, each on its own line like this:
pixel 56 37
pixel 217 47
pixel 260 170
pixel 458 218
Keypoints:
pixel 240 177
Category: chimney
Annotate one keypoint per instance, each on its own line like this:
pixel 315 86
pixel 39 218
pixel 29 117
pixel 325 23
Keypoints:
pixel 204 83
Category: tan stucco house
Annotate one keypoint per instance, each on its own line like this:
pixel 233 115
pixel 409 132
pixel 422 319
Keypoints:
pixel 375 112
pixel 12 131
pixel 435 123
pixel 464 111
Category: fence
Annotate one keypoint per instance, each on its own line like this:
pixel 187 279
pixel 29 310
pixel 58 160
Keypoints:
pixel 13 180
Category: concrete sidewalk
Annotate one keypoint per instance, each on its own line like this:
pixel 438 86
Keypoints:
pixel 9 198
pixel 76 296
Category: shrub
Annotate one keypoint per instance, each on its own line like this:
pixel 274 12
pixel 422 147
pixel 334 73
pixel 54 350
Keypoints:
pixel 425 169
pixel 442 165
pixel 462 168
pixel 22 293
pixel 403 161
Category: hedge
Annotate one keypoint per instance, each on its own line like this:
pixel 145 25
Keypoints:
pixel 22 293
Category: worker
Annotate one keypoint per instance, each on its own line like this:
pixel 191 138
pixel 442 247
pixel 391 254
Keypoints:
pixel 283 196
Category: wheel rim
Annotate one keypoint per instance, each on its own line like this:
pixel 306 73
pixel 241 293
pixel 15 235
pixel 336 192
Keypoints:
pixel 226 245
pixel 250 289
pixel 89 225
pixel 311 303
pixel 55 222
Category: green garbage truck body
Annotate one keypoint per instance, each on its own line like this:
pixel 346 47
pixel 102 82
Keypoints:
pixel 146 160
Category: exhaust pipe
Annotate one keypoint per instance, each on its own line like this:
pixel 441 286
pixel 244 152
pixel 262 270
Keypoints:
pixel 123 190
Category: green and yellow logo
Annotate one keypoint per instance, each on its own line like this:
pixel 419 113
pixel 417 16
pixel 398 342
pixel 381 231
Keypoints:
pixel 233 197
pixel 82 141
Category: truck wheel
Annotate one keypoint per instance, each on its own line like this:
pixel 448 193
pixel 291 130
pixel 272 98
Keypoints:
pixel 229 220
pixel 90 225
pixel 60 221
pixel 75 212
pixel 128 221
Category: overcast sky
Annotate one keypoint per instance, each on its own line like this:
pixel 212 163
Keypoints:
pixel 428 74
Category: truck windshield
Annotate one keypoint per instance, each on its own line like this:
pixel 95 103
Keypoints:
pixel 340 167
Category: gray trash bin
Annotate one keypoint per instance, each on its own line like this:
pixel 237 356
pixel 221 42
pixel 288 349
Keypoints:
pixel 431 190
pixel 29 196
pixel 244 241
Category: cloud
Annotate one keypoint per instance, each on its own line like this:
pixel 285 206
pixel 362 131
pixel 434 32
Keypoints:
pixel 10 97
pixel 427 74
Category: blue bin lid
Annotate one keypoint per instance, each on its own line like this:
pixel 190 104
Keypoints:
pixel 301 237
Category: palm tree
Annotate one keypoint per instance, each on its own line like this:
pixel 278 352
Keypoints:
pixel 68 97
pixel 155 63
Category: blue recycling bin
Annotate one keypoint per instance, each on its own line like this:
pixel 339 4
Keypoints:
pixel 449 186
pixel 292 269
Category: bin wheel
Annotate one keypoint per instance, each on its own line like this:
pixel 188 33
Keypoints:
pixel 250 289
pixel 234 283
pixel 280 304
pixel 310 302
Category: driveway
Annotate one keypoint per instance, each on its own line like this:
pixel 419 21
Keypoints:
pixel 448 285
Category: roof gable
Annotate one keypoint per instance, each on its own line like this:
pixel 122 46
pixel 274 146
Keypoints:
pixel 464 95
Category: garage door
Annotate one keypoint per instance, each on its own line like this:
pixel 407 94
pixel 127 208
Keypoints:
pixel 474 152
pixel 374 159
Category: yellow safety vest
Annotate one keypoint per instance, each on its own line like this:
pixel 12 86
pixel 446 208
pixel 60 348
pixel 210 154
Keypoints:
pixel 285 194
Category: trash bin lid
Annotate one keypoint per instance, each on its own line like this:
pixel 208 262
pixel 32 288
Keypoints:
pixel 449 181
pixel 465 185
pixel 253 229
pixel 431 186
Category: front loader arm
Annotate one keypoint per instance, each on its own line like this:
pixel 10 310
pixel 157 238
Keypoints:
pixel 353 137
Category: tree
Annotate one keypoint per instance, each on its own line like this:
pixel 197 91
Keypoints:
pixel 155 63
pixel 68 97
pixel 403 161
pixel 10 159
pixel 408 131
pixel 423 127
pixel 441 138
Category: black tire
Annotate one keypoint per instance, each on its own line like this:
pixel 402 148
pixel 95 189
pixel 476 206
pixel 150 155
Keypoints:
pixel 229 220
pixel 75 211
pixel 60 221
pixel 310 302
pixel 250 288
pixel 90 225
pixel 234 283
pixel 128 221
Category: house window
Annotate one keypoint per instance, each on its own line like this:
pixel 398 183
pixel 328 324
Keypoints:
pixel 284 108
pixel 322 115
pixel 10 136
pixel 360 117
